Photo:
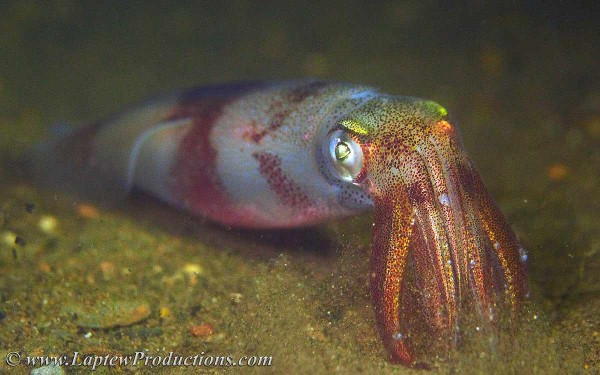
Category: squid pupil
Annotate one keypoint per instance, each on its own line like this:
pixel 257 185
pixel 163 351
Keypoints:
pixel 342 151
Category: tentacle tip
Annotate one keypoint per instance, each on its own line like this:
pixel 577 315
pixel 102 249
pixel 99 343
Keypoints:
pixel 402 353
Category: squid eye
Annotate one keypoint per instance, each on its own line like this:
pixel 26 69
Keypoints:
pixel 345 155
pixel 342 151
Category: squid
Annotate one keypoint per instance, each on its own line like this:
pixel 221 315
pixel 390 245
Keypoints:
pixel 298 153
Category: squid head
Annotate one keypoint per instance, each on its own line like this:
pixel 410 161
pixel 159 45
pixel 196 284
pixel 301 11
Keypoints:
pixel 440 244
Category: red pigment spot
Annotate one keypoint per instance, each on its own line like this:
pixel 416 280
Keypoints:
pixel 278 119
pixel 257 135
pixel 288 191
pixel 251 133
pixel 282 108
pixel 416 193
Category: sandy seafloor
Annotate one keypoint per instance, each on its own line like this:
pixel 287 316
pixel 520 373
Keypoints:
pixel 521 82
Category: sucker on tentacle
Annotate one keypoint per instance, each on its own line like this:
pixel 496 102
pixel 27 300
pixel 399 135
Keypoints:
pixel 289 154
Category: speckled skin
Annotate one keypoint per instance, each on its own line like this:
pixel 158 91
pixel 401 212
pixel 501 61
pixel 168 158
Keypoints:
pixel 439 239
pixel 256 156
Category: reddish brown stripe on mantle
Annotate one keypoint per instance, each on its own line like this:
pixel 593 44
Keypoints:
pixel 281 108
pixel 288 191
pixel 195 179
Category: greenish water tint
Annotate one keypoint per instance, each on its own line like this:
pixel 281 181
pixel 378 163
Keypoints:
pixel 520 82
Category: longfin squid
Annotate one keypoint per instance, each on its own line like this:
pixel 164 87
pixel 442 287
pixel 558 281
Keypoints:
pixel 298 153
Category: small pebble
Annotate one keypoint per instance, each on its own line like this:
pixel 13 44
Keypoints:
pixel 109 314
pixel 236 297
pixel 9 238
pixel 202 330
pixel 48 370
pixel 90 279
pixel 557 172
pixel 195 310
pixel 48 224
pixel 87 211
pixel 19 241
pixel 315 334
pixel 2 315
pixel 29 207
pixel 193 269
pixel 108 269
pixel 44 267
pixel 164 312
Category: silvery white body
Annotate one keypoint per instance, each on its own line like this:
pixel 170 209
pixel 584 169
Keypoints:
pixel 264 152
